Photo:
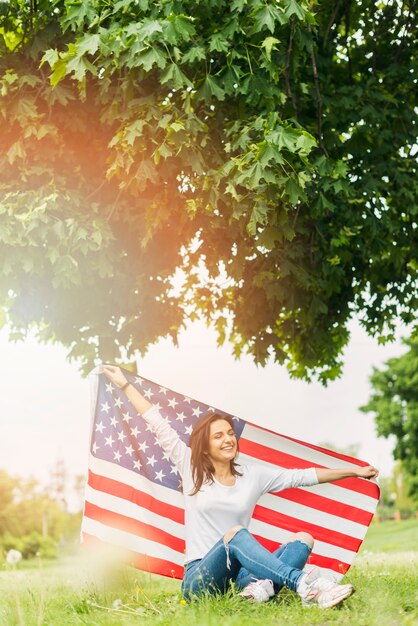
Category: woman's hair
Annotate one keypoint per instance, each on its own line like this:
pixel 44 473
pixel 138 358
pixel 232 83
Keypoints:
pixel 202 468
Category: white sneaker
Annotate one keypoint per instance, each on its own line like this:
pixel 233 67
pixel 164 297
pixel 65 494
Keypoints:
pixel 315 589
pixel 304 588
pixel 259 590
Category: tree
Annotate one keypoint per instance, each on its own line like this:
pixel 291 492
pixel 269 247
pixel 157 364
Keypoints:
pixel 394 402
pixel 261 152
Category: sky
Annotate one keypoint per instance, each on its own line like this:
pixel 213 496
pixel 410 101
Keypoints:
pixel 45 403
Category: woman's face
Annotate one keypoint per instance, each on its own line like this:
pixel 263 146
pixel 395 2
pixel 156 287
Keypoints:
pixel 222 445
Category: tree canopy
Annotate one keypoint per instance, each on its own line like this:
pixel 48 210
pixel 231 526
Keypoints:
pixel 394 403
pixel 261 152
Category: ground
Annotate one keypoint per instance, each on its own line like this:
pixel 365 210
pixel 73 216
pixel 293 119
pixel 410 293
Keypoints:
pixel 70 592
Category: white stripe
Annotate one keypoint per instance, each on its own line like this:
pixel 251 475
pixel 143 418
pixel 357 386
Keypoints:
pixel 327 490
pixel 131 542
pixel 276 441
pixel 313 516
pixel 134 511
pixel 281 536
pixel 131 478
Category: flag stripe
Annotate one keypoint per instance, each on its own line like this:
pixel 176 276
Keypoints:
pixel 132 542
pixel 118 505
pixel 336 568
pixel 321 503
pixel 329 490
pixel 140 561
pixel 133 526
pixel 137 497
pixel 316 454
pixel 286 522
pixel 290 462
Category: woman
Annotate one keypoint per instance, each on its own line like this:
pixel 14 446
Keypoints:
pixel 219 499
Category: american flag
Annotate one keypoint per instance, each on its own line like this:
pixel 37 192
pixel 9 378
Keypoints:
pixel 133 501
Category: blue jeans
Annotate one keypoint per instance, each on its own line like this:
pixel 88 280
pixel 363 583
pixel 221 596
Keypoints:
pixel 243 559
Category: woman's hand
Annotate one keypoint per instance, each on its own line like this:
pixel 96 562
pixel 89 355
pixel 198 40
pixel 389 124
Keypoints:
pixel 367 472
pixel 115 375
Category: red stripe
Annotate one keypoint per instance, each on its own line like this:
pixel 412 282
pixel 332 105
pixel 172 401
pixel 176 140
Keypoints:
pixel 133 526
pixel 319 533
pixel 258 451
pixel 141 561
pixel 336 455
pixel 315 559
pixel 327 505
pixel 141 498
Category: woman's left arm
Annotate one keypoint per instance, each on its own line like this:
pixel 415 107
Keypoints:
pixel 327 475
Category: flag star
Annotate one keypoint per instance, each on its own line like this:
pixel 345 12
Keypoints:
pixel 143 446
pixel 105 407
pixel 117 456
pixel 181 416
pixel 172 403
pixel 211 409
pixel 151 460
pixel 137 465
pixel 126 417
pixel 114 421
pixel 100 426
pixel 109 387
pixel 156 441
pixel 118 403
pixel 148 427
pixel 167 421
pixel 109 441
pixel 158 406
pixel 139 380
pixel 166 456
pixel 134 431
pixel 188 430
pixel 129 450
pixel 121 435
pixel 186 399
pixel 148 393
pixel 159 475
pixel 197 412
pixel 174 470
pixel 95 448
pixel 163 390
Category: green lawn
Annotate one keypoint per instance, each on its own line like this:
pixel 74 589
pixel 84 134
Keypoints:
pixel 68 592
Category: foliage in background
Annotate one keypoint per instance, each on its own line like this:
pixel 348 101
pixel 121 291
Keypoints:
pixel 394 403
pixel 35 518
pixel 268 143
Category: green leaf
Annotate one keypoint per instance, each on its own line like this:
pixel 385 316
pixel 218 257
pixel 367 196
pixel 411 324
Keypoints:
pixel 79 66
pixel 50 57
pixel 294 8
pixel 196 53
pixel 210 88
pixel 269 44
pixel 266 17
pixel 174 74
pixel 89 44
pixel 149 58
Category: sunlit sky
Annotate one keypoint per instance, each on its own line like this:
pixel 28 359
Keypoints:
pixel 45 402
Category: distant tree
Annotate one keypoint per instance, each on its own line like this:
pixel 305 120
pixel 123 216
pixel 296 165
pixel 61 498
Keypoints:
pixel 394 403
pixel 272 144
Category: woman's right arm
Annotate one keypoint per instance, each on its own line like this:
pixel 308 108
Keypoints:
pixel 167 436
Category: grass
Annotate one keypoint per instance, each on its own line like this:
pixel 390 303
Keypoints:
pixel 72 592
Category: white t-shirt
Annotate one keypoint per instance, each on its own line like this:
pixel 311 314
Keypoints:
pixel 216 508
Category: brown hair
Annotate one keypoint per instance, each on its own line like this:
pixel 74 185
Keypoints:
pixel 202 468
